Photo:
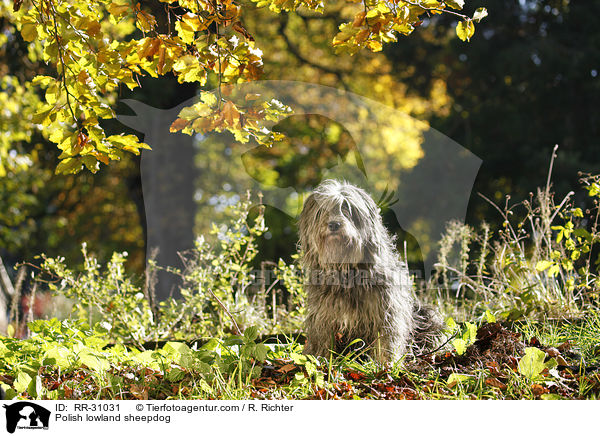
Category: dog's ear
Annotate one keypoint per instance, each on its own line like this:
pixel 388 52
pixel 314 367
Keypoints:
pixel 307 224
pixel 371 207
pixel 363 210
pixel 306 217
pixel 370 223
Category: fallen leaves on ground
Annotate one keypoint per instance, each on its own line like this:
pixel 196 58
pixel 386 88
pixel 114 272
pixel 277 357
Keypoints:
pixel 491 367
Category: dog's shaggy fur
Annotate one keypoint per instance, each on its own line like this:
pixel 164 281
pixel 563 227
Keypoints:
pixel 357 287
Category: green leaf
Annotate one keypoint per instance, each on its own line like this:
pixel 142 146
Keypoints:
pixel 460 345
pixel 42 81
pixel 551 397
pixel 94 361
pixel 180 352
pixel 470 335
pixel 22 382
pixel 465 30
pixel 260 352
pixel 299 359
pixel 69 166
pixel 554 269
pixel 178 347
pixel 146 358
pixel 233 340
pixel 211 345
pixel 455 379
pixel 251 333
pixel 175 374
pixel 560 235
pixel 551 363
pixel 532 363
pixel 59 356
pixel 9 393
pixel 489 317
pixel 37 389
pixel 582 233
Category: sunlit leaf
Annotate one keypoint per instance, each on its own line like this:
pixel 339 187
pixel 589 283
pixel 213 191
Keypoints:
pixel 29 32
pixel 543 265
pixel 455 4
pixel 532 363
pixel 480 13
pixel 465 30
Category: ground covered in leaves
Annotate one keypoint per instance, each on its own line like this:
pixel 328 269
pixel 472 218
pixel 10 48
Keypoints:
pixel 499 364
pixel 528 361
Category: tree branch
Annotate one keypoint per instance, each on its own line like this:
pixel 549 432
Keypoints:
pixel 283 21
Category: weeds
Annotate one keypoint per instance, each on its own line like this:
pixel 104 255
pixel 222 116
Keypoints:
pixel 221 292
pixel 540 264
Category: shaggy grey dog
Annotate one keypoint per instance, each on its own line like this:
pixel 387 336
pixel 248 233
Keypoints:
pixel 357 287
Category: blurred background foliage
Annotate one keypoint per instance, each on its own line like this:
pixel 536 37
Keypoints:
pixel 527 80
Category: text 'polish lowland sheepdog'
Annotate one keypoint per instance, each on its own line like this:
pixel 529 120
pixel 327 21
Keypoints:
pixel 356 284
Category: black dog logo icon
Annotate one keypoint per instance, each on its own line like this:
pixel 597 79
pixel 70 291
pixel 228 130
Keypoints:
pixel 25 414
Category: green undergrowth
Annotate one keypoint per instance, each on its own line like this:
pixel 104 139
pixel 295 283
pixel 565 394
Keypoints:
pixel 71 360
pixel 222 289
pixel 525 296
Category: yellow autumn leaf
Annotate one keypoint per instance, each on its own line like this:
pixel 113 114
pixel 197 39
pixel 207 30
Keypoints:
pixel 374 45
pixel 455 4
pixel 185 31
pixel 465 30
pixel 116 10
pixel 29 32
pixel 144 20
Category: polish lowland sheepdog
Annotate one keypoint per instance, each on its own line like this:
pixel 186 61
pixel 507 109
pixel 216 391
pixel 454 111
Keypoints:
pixel 359 291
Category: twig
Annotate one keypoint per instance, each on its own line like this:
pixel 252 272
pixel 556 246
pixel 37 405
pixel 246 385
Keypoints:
pixel 63 64
pixel 504 215
pixel 31 303
pixel 150 285
pixel 550 169
pixel 446 11
pixel 559 207
pixel 235 324
pixel 283 21
pixel 438 348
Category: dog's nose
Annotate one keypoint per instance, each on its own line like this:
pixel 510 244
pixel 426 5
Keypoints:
pixel 333 226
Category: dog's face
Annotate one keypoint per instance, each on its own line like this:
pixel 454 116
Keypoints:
pixel 337 225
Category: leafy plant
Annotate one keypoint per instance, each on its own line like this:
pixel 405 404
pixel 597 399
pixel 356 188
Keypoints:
pixel 467 338
pixel 532 363
pixel 62 357
pixel 221 292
